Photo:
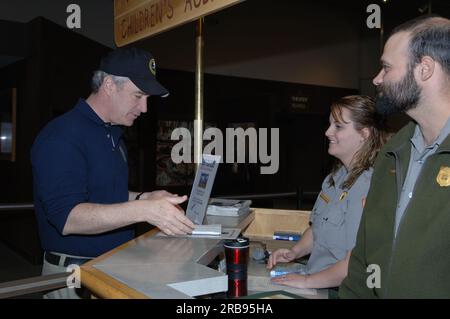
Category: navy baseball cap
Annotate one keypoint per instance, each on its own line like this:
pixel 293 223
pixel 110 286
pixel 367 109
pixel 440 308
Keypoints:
pixel 136 64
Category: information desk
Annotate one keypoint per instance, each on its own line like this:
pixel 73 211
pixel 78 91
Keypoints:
pixel 152 266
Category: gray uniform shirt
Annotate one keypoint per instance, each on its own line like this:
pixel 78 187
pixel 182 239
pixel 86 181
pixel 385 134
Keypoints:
pixel 419 154
pixel 335 219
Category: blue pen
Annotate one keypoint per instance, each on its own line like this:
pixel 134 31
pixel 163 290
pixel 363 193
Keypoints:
pixel 281 270
pixel 276 273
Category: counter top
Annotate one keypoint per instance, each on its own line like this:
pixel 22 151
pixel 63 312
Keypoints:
pixel 152 266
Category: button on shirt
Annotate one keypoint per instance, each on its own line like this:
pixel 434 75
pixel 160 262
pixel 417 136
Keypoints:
pixel 335 219
pixel 78 158
pixel 419 154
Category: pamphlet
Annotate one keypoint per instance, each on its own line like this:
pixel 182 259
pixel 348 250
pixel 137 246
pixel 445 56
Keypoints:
pixel 226 233
pixel 201 189
pixel 215 229
pixel 228 207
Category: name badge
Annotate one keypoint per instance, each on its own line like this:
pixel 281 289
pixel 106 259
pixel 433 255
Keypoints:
pixel 325 198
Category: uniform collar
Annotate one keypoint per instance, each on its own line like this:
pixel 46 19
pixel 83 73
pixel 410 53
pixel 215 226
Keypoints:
pixel 419 143
pixel 401 141
pixel 339 176
pixel 86 110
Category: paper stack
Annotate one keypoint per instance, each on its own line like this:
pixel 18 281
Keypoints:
pixel 228 207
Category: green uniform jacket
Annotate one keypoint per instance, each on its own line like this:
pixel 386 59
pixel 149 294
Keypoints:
pixel 416 263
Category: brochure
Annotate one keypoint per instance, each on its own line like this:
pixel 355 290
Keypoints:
pixel 228 207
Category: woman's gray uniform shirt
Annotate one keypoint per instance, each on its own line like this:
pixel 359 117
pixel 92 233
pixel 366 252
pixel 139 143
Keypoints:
pixel 335 219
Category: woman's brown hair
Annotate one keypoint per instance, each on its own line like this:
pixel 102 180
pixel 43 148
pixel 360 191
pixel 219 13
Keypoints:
pixel 363 115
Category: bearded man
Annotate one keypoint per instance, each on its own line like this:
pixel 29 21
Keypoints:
pixel 403 239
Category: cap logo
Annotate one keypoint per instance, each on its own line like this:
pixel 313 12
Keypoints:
pixel 152 66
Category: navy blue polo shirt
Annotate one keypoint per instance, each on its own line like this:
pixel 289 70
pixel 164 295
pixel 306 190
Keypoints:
pixel 78 158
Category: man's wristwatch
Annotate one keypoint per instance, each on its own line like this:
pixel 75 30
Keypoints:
pixel 139 196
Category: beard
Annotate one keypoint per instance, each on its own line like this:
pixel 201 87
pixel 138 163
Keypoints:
pixel 398 97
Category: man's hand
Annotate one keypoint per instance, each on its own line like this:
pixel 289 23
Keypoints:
pixel 157 195
pixel 165 214
pixel 282 255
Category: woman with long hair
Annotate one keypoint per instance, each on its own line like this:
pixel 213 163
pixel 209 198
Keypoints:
pixel 356 134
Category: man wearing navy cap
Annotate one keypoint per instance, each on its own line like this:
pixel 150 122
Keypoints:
pixel 82 202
